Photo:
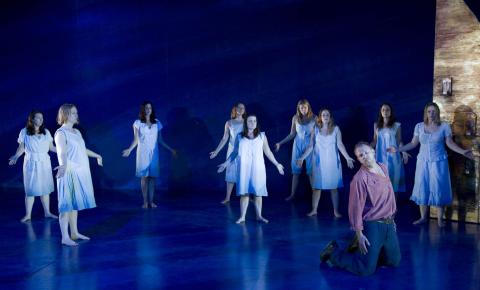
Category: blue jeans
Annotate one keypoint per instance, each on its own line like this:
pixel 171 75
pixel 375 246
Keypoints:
pixel 383 250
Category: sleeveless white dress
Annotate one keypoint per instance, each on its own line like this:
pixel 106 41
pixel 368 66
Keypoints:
pixel 252 177
pixel 147 160
pixel 300 144
pixel 75 188
pixel 326 165
pixel 234 130
pixel 37 168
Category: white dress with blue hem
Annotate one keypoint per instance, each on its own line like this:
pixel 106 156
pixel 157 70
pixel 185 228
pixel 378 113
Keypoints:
pixel 326 164
pixel 252 177
pixel 147 160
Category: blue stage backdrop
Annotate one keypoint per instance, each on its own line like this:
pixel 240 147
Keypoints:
pixel 195 59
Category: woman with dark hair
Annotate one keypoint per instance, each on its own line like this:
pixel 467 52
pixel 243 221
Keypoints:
pixel 326 166
pixel 232 130
pixel 74 180
pixel 146 134
pixel 432 177
pixel 302 126
pixel 387 133
pixel 251 178
pixel 35 141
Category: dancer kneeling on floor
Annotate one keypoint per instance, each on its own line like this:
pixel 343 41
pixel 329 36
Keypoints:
pixel 371 208
pixel 251 178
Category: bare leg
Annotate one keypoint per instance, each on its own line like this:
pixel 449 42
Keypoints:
pixel 440 211
pixel 29 200
pixel 243 208
pixel 144 186
pixel 334 196
pixel 258 209
pixel 46 206
pixel 73 227
pixel 64 220
pixel 294 187
pixel 151 191
pixel 423 215
pixel 229 193
pixel 315 199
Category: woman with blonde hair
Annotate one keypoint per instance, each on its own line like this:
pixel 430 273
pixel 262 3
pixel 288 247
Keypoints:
pixel 231 132
pixel 326 166
pixel 35 141
pixel 74 180
pixel 302 125
pixel 432 177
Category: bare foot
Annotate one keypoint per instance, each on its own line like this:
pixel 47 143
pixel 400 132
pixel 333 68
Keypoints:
pixel 420 221
pixel 51 216
pixel 337 215
pixel 289 198
pixel 69 242
pixel 240 221
pixel 225 201
pixel 145 205
pixel 79 236
pixel 312 213
pixel 440 223
pixel 25 219
pixel 153 205
pixel 262 219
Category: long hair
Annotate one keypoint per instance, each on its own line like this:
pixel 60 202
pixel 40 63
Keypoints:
pixel 308 116
pixel 233 112
pixel 391 119
pixel 256 131
pixel 31 127
pixel 331 123
pixel 143 117
pixel 425 117
pixel 64 112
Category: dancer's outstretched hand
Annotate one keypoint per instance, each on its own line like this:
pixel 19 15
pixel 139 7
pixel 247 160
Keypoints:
pixel 350 162
pixel 213 154
pixel 280 169
pixel 222 167
pixel 12 160
pixel 60 171
pixel 126 152
pixel 468 154
pixel 100 160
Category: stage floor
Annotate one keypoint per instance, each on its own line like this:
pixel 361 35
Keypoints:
pixel 192 242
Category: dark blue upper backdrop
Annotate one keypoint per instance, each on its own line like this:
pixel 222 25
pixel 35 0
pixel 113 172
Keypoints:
pixel 194 61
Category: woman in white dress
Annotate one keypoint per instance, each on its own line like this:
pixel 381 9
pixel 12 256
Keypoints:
pixel 326 166
pixel 251 178
pixel 302 125
pixel 432 177
pixel 231 132
pixel 35 141
pixel 387 133
pixel 146 134
pixel 74 180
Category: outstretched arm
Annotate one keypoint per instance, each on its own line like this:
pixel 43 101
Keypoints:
pixel 20 150
pixel 293 133
pixel 269 154
pixel 230 157
pixel 454 147
pixel 405 148
pixel 342 150
pixel 222 143
pixel 92 154
pixel 126 152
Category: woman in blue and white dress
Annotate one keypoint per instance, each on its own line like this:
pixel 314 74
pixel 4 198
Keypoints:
pixel 74 180
pixel 387 133
pixel 231 132
pixel 146 134
pixel 251 178
pixel 432 177
pixel 326 166
pixel 302 126
pixel 35 141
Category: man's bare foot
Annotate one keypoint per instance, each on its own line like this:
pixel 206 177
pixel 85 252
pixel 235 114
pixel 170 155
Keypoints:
pixel 420 221
pixel 25 219
pixel 312 213
pixel 79 236
pixel 145 205
pixel 289 198
pixel 337 215
pixel 240 221
pixel 225 201
pixel 153 205
pixel 69 242
pixel 51 216
pixel 262 219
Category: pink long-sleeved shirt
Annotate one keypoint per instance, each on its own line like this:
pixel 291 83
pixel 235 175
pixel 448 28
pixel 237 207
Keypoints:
pixel 371 197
